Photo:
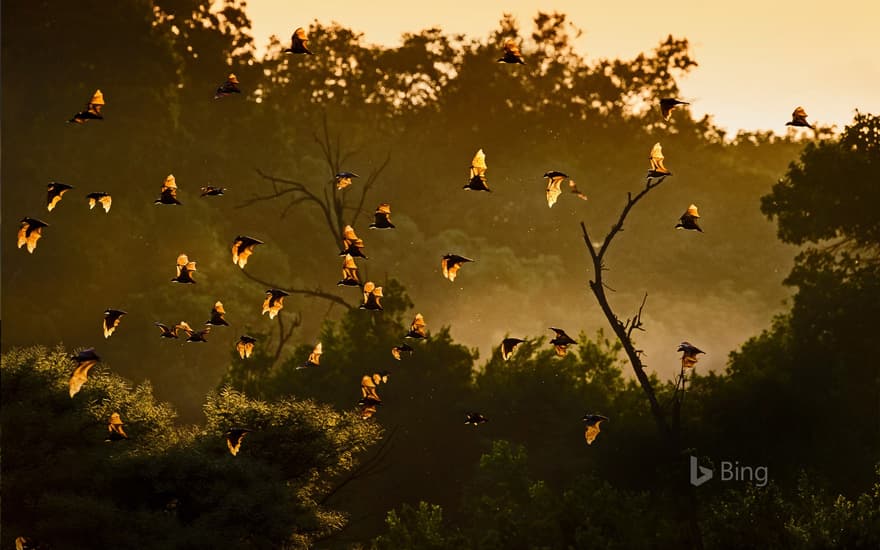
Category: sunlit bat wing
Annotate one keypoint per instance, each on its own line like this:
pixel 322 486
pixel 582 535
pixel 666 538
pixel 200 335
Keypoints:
pixel 511 52
pixel 234 438
pixel 242 248
pixel 300 42
pixel 508 345
pixel 349 272
pixel 103 198
pixel 398 351
pixel 368 388
pixel 218 315
pixel 657 160
pixel 450 264
pixel 112 317
pixel 592 426
pixel 343 179
pixel 382 217
pixel 553 191
pixel 85 360
pixel 314 359
pixel 274 302
pixel 477 178
pixel 417 328
pixel 245 346
pixel 168 192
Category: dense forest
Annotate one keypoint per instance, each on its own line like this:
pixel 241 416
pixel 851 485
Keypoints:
pixel 780 290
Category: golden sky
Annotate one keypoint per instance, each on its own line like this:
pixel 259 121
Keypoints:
pixel 758 58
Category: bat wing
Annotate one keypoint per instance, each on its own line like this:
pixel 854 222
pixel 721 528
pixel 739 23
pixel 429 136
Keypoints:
pixel 553 191
pixel 80 376
pixel 573 188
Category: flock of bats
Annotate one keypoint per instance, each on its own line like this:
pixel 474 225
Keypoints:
pixel 243 247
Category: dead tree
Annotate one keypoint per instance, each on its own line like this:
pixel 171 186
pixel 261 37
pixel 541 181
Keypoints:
pixel 670 432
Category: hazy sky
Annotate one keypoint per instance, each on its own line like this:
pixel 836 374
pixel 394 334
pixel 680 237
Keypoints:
pixel 758 58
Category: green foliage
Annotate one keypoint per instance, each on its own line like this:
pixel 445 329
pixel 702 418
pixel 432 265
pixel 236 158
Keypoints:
pixel 166 486
pixel 414 529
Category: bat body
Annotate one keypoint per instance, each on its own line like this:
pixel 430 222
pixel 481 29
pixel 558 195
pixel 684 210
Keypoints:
pixel 511 53
pixel 92 110
pixel 218 315
pixel 228 88
pixel 799 118
pixel 299 41
pixel 211 191
pixel 193 335
pixel 561 341
pixel 185 269
pixel 477 179
pixel 166 331
pixel 688 220
pixel 168 192
pixel 382 217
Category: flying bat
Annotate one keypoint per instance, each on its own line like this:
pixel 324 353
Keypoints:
pixel 228 88
pixel 689 354
pixel 85 360
pixel 368 407
pixel 193 335
pixel 369 384
pixel 477 178
pixel 92 110
pixel 554 186
pixel 211 191
pixel 561 341
pixel 351 244
pixel 168 193
pixel 450 264
pixel 274 302
pixel 511 53
pixel 111 320
pixel 688 220
pixel 100 197
pixel 475 419
pixel 349 272
pixel 115 428
pixel 572 187
pixel 242 248
pixel 234 438
pixel 185 269
pixel 382 217
pixel 29 232
pixel 245 346
pixel 217 315
pixel 55 191
pixel 372 296
pixel 398 351
pixel 591 426
pixel 508 345
pixel 667 104
pixel 299 41
pixel 314 359
pixel 657 169
pixel 166 331
pixel 799 118
pixel 343 179
pixel 417 329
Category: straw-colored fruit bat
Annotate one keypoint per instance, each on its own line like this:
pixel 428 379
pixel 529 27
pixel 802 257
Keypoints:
pixel 398 351
pixel 799 118
pixel 242 248
pixel 561 341
pixel 55 191
pixel 29 232
pixel 114 427
pixel 234 438
pixel 218 315
pixel 511 53
pixel 100 197
pixel 370 382
pixel 343 179
pixel 245 346
pixel 85 360
pixel 657 169
pixel 166 331
pixel 450 264
pixel 591 426
pixel 688 220
pixel 193 335
pixel 314 359
pixel 477 178
pixel 417 329
pixel 475 419
pixel 382 217
pixel 372 297
pixel 351 244
pixel 349 272
pixel 112 317
pixel 368 407
pixel 274 302
pixel 299 41
pixel 228 88
pixel 211 191
pixel 168 193
pixel 667 104
pixel 508 345
pixel 185 269
pixel 689 354
pixel 92 110
pixel 554 186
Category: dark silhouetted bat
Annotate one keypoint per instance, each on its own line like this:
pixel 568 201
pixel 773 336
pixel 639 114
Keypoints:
pixel 168 193
pixel 92 110
pixel 475 419
pixel 688 220
pixel 29 232
pixel 417 329
pixel 561 341
pixel 799 118
pixel 228 88
pixel 55 191
pixel 274 302
pixel 511 53
pixel 217 315
pixel 242 248
pixel 299 41
pixel 477 179
pixel 372 297
pixel 508 345
pixel 185 269
pixel 111 320
pixel 667 104
pixel 450 264
pixel 343 179
pixel 234 438
pixel 382 217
